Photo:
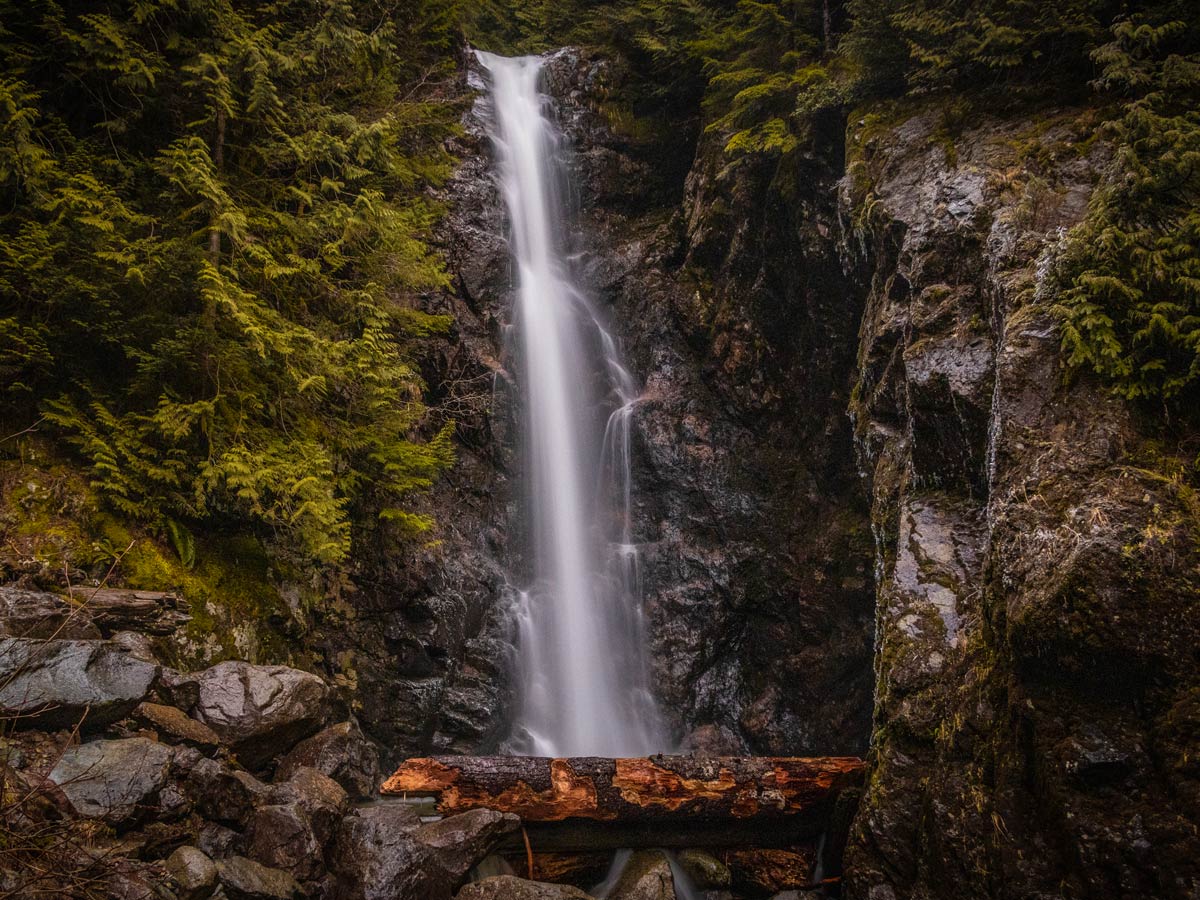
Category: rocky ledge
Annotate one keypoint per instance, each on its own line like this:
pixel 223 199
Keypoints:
pixel 122 777
pixel 125 778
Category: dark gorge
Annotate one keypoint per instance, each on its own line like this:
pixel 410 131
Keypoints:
pixel 885 311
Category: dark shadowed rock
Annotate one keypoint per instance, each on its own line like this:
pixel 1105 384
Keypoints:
pixel 36 614
pixel 340 751
pixel 292 830
pixel 375 857
pixel 147 612
pixel 217 841
pixel 224 794
pixel 508 887
pixel 244 879
pixel 53 684
pixel 261 711
pixel 117 781
pixel 193 872
pixel 175 726
pixel 178 689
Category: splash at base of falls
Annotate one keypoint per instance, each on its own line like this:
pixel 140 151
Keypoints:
pixel 581 674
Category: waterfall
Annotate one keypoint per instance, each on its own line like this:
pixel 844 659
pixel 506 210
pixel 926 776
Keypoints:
pixel 581 669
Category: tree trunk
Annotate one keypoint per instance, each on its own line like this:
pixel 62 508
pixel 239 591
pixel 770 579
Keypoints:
pixel 214 235
pixel 590 803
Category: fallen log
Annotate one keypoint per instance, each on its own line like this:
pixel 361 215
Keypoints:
pixel 116 609
pixel 591 803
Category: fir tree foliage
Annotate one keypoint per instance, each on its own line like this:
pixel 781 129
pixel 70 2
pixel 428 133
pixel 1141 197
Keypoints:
pixel 1130 274
pixel 213 228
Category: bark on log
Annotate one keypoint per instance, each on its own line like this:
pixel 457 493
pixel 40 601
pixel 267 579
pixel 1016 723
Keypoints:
pixel 115 609
pixel 590 803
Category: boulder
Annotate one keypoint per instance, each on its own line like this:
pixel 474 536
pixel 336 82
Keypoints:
pixel 193 872
pixel 117 781
pixel 58 684
pixel 176 726
pixel 224 794
pixel 292 830
pixel 321 798
pixel 509 887
pixel 36 614
pixel 217 841
pixel 282 837
pixel 707 872
pixel 244 879
pixel 375 857
pixel 460 842
pixel 261 711
pixel 647 876
pixel 343 753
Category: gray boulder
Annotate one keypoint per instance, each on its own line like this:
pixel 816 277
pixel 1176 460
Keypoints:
pixel 343 753
pixel 261 711
pixel 178 689
pixel 117 781
pixel 37 614
pixel 193 872
pixel 383 852
pixel 509 887
pixel 58 684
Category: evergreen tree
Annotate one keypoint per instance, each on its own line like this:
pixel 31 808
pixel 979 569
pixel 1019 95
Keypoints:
pixel 213 230
pixel 1131 272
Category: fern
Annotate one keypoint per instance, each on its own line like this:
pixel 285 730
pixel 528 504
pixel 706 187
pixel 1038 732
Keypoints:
pixel 209 249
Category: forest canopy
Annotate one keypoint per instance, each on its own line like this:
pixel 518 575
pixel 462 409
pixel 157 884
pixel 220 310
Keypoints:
pixel 215 214
pixel 214 219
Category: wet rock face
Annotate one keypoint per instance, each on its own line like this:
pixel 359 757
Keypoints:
pixel 1036 668
pixel 428 634
pixel 261 711
pixel 59 684
pixel 755 545
pixel 117 781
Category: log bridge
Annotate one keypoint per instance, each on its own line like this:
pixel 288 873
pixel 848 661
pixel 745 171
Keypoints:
pixel 589 804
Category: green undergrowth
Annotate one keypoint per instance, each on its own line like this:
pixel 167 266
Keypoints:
pixel 54 531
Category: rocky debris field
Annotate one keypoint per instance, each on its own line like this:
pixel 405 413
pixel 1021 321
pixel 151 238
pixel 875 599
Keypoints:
pixel 125 778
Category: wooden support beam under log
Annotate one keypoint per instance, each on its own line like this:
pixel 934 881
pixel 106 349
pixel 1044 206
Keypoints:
pixel 592 803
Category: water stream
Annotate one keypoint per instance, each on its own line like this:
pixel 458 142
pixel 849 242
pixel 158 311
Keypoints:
pixel 581 672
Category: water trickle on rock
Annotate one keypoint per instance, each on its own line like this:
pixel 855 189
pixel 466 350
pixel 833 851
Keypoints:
pixel 581 670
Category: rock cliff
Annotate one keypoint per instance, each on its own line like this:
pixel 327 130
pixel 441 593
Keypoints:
pixel 1036 554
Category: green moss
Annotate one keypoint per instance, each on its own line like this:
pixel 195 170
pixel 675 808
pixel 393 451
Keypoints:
pixel 49 513
pixel 231 591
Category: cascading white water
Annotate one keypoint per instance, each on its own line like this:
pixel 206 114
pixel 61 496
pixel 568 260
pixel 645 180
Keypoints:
pixel 581 656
